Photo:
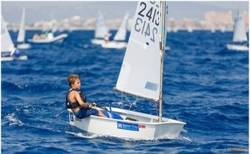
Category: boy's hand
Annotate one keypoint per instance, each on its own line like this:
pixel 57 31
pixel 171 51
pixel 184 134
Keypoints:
pixel 90 105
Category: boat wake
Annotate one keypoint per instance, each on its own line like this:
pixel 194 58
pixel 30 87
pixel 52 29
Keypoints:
pixel 92 136
pixel 185 138
pixel 83 135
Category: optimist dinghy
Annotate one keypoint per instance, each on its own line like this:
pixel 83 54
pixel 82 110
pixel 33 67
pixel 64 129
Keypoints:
pixel 101 31
pixel 21 34
pixel 120 37
pixel 141 77
pixel 8 51
pixel 47 38
pixel 239 42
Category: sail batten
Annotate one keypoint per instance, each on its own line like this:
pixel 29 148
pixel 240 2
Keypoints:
pixel 139 96
pixel 141 67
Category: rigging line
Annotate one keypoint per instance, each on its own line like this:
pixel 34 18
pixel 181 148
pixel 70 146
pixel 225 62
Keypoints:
pixel 57 115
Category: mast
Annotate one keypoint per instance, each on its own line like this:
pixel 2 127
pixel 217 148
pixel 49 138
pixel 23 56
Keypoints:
pixel 162 48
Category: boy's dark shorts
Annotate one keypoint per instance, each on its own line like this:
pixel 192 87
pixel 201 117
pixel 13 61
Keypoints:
pixel 83 113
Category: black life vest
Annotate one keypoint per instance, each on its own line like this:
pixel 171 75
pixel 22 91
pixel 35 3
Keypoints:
pixel 72 105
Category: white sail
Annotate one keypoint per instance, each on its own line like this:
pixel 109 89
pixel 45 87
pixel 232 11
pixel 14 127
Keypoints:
pixel 54 28
pixel 140 73
pixel 21 33
pixel 7 44
pixel 101 29
pixel 121 33
pixel 239 29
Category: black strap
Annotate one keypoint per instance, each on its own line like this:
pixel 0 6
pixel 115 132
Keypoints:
pixel 72 105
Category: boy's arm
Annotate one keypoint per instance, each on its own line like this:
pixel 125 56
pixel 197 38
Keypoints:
pixel 80 101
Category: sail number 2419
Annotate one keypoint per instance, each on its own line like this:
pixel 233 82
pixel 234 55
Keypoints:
pixel 148 19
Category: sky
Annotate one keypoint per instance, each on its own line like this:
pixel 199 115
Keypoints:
pixel 48 10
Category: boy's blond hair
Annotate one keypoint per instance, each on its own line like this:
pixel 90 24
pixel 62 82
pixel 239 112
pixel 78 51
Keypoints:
pixel 72 78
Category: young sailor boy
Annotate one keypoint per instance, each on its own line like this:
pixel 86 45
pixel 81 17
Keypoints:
pixel 76 101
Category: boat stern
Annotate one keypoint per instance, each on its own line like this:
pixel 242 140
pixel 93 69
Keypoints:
pixel 169 129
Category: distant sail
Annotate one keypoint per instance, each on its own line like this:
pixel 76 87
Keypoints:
pixel 54 28
pixel 7 44
pixel 140 72
pixel 239 29
pixel 122 31
pixel 101 29
pixel 21 33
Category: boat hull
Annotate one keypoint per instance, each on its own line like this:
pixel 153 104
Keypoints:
pixel 23 46
pixel 146 127
pixel 115 45
pixel 7 58
pixel 52 40
pixel 98 41
pixel 11 58
pixel 237 47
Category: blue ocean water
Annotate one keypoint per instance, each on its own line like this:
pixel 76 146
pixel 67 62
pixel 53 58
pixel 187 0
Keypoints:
pixel 205 86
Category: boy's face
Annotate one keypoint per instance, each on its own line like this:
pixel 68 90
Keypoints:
pixel 76 84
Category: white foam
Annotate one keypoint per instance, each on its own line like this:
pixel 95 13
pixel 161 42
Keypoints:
pixel 91 136
pixel 85 135
pixel 13 120
pixel 186 138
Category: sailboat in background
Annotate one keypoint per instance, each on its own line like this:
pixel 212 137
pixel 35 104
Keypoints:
pixel 101 31
pixel 120 37
pixel 189 29
pixel 48 37
pixel 8 51
pixel 141 77
pixel 21 34
pixel 222 29
pixel 212 29
pixel 175 29
pixel 239 42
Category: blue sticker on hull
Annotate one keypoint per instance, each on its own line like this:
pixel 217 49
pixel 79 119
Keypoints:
pixel 127 126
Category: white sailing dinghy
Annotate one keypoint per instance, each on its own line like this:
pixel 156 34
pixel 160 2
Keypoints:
pixel 212 29
pixel 48 37
pixel 101 31
pixel 239 42
pixel 21 34
pixel 8 51
pixel 189 29
pixel 120 37
pixel 141 77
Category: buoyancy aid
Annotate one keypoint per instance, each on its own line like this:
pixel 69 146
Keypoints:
pixel 73 105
